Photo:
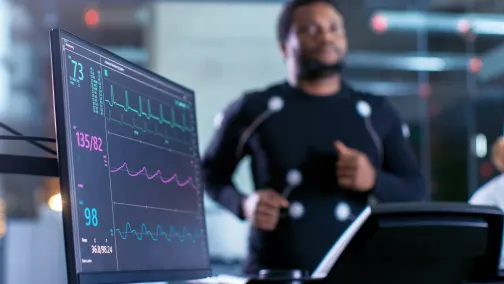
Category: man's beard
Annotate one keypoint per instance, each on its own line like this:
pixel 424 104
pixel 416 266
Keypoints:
pixel 312 69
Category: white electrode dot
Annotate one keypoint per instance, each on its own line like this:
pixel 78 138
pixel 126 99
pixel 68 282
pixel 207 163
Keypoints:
pixel 294 178
pixel 363 109
pixel 275 104
pixel 296 210
pixel 342 211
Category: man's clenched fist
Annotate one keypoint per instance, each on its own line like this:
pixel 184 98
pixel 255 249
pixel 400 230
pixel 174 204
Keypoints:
pixel 262 208
pixel 354 171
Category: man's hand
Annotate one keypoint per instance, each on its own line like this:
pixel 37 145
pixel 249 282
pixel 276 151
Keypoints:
pixel 354 171
pixel 262 208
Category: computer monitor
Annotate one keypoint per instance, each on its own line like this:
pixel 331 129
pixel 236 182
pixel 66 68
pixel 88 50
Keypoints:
pixel 129 169
pixel 417 243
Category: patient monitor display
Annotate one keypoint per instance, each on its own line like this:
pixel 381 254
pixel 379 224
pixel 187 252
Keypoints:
pixel 129 164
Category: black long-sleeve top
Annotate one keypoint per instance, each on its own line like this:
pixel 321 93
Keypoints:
pixel 299 135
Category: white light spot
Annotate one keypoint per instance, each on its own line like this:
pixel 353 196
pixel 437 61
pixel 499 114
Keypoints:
pixel 294 178
pixel 296 210
pixel 342 211
pixel 275 104
pixel 433 64
pixel 55 202
pixel 480 145
pixel 363 109
pixel 405 130
pixel 217 121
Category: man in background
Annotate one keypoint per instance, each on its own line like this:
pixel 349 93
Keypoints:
pixel 319 149
pixel 492 192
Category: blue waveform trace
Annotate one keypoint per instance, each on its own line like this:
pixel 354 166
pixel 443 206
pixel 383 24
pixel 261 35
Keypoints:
pixel 170 236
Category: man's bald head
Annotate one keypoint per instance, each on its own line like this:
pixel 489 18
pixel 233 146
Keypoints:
pixel 498 154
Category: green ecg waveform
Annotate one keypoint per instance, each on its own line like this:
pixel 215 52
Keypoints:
pixel 144 128
pixel 147 114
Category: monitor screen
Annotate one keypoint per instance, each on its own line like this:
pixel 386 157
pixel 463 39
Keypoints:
pixel 129 168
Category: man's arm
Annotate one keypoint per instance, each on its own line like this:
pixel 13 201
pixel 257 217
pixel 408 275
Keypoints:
pixel 399 179
pixel 219 160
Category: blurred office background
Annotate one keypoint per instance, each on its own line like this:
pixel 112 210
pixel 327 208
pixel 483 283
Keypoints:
pixel 441 63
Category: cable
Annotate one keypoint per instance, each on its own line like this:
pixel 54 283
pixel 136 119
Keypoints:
pixel 364 110
pixel 376 139
pixel 35 143
pixel 275 104
pixel 28 138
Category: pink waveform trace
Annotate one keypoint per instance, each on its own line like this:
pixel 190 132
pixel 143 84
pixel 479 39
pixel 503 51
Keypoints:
pixel 156 174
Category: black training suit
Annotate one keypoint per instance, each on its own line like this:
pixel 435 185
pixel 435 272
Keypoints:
pixel 297 133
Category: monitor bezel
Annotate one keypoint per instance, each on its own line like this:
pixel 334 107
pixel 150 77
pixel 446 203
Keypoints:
pixel 63 171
